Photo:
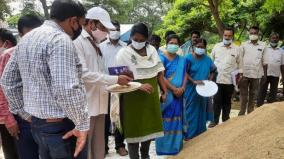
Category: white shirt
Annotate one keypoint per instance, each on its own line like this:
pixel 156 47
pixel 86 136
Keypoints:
pixel 227 60
pixel 94 75
pixel 253 59
pixel 109 52
pixel 275 58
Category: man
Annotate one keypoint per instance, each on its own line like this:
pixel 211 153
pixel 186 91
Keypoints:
pixel 227 58
pixel 163 48
pixel 7 120
pixel 253 69
pixel 155 40
pixel 95 78
pixel 188 47
pixel 42 82
pixel 275 61
pixel 20 128
pixel 109 49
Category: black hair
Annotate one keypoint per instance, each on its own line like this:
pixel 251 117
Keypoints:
pixel 254 27
pixel 6 35
pixel 140 28
pixel 201 40
pixel 115 23
pixel 155 37
pixel 229 29
pixel 274 34
pixel 63 9
pixel 170 32
pixel 195 32
pixel 28 21
pixel 173 36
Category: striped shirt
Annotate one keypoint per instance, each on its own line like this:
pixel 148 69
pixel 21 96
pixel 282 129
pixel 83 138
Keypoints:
pixel 43 77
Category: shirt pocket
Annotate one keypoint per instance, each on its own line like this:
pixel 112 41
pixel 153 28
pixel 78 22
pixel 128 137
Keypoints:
pixel 229 61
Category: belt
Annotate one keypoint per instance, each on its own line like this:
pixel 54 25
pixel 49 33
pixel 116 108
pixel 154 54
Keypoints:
pixel 54 120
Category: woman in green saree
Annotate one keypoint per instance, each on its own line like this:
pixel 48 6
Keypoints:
pixel 140 113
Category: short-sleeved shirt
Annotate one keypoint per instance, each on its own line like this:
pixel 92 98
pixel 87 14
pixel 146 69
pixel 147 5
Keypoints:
pixel 253 59
pixel 275 58
pixel 227 60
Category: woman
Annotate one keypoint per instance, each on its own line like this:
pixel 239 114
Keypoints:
pixel 199 67
pixel 174 64
pixel 141 113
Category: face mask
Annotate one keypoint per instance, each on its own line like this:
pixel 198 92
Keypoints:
pixel 227 42
pixel 199 51
pixel 172 48
pixel 99 35
pixel 253 37
pixel 77 32
pixel 138 45
pixel 273 44
pixel 114 35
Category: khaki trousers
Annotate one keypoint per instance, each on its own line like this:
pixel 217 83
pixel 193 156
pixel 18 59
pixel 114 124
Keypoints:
pixel 96 137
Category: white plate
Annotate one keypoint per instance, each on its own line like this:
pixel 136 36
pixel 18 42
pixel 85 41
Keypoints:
pixel 116 88
pixel 209 89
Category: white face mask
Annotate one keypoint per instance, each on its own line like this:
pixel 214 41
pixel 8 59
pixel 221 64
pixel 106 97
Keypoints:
pixel 114 35
pixel 253 37
pixel 99 35
pixel 138 45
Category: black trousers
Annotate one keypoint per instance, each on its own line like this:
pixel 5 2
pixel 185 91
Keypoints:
pixel 118 137
pixel 8 144
pixel 222 102
pixel 133 149
pixel 273 82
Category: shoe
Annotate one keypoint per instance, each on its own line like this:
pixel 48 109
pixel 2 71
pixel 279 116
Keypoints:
pixel 122 151
pixel 212 125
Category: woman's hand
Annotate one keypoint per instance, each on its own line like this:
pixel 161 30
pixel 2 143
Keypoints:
pixel 178 91
pixel 198 82
pixel 146 88
pixel 163 97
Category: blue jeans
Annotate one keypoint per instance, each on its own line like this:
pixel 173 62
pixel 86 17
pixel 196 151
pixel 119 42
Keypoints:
pixel 48 136
pixel 26 146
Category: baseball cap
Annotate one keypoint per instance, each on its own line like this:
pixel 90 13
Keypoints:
pixel 98 13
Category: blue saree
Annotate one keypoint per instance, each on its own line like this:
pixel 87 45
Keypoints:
pixel 196 110
pixel 171 143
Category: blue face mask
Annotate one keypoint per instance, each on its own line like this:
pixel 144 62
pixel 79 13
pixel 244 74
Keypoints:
pixel 200 51
pixel 172 48
pixel 227 42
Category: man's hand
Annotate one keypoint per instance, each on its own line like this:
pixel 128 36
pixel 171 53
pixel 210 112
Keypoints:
pixel 146 88
pixel 14 131
pixel 123 80
pixel 81 139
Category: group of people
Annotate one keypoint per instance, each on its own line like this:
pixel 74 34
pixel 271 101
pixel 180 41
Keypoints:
pixel 54 103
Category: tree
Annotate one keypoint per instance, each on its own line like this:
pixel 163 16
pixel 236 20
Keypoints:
pixel 4 9
pixel 45 8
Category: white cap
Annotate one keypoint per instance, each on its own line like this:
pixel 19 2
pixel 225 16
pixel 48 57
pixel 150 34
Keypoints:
pixel 98 13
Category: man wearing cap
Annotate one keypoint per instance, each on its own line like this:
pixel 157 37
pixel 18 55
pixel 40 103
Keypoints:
pixel 96 78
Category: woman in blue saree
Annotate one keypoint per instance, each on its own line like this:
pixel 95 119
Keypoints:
pixel 199 67
pixel 174 74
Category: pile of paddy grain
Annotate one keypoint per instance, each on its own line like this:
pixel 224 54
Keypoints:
pixel 259 135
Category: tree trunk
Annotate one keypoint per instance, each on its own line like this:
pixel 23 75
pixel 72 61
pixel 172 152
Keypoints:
pixel 45 9
pixel 213 6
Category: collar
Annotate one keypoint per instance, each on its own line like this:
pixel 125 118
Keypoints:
pixel 119 42
pixel 53 24
pixel 257 43
pixel 85 34
pixel 277 48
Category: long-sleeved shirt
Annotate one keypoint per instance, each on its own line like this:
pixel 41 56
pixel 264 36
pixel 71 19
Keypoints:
pixel 274 59
pixel 227 60
pixel 94 76
pixel 6 117
pixel 43 77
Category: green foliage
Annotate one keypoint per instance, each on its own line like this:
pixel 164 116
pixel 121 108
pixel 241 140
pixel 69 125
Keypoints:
pixel 13 20
pixel 4 9
pixel 188 15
